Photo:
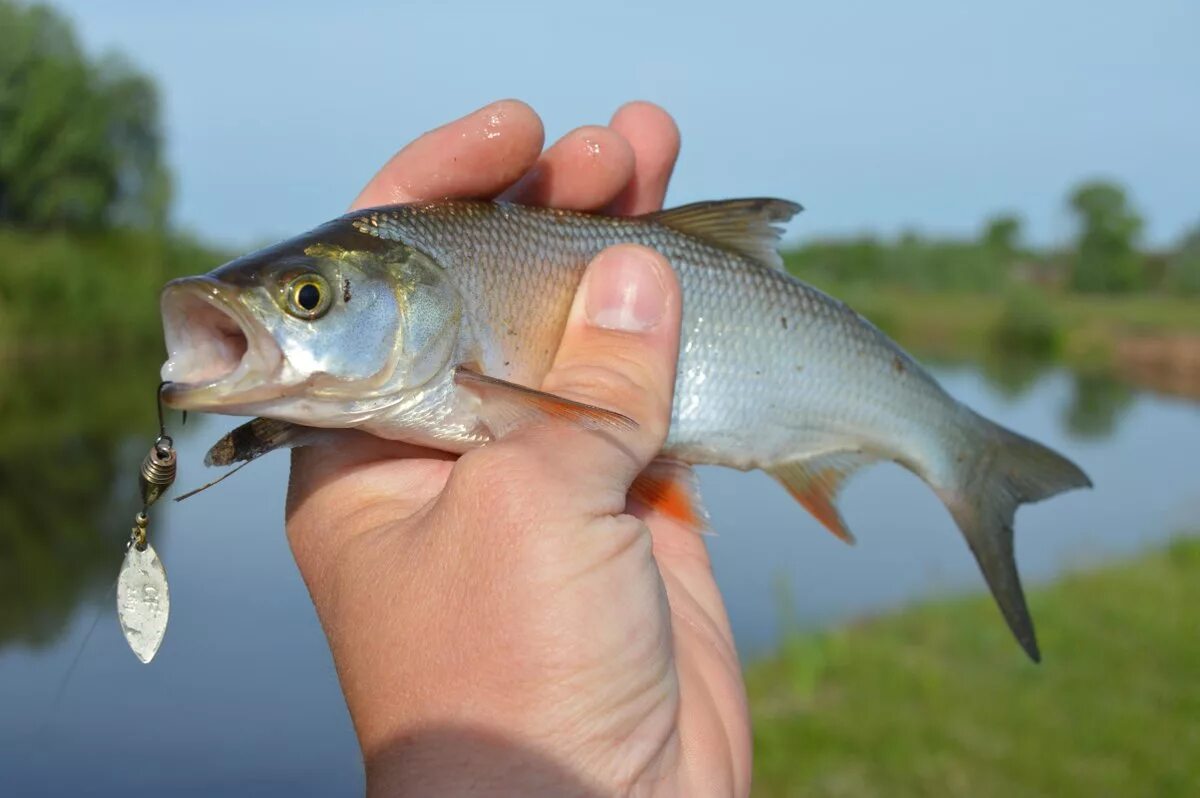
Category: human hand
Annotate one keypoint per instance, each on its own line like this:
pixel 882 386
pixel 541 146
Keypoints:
pixel 504 622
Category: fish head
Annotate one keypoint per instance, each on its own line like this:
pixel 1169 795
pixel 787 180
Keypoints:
pixel 322 330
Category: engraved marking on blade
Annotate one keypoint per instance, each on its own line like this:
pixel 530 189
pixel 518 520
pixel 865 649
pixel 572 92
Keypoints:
pixel 143 601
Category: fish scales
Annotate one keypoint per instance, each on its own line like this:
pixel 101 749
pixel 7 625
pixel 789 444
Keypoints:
pixel 436 323
pixel 760 350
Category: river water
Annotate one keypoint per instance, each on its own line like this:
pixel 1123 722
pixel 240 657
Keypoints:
pixel 243 700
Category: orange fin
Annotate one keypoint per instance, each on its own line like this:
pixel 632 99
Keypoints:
pixel 815 483
pixel 671 489
pixel 508 406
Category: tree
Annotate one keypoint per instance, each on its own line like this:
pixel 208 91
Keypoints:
pixel 1002 234
pixel 1183 267
pixel 80 140
pixel 1106 258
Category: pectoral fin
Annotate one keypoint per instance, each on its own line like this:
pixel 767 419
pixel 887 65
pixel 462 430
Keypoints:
pixel 508 406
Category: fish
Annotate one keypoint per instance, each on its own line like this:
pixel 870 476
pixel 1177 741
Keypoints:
pixel 434 323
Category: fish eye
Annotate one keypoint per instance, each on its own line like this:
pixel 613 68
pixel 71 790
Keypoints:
pixel 308 296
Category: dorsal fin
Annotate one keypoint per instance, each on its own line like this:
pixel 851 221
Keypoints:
pixel 749 227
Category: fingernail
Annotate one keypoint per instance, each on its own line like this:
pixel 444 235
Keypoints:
pixel 624 291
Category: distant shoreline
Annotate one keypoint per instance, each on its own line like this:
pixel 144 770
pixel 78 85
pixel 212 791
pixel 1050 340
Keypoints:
pixel 1147 340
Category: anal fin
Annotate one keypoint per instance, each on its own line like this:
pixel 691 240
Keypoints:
pixel 815 482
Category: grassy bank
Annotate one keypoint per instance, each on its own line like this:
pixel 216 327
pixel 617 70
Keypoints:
pixel 961 324
pixel 1151 340
pixel 937 700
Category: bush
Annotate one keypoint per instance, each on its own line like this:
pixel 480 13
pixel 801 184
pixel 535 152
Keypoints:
pixel 1027 325
pixel 1183 268
pixel 911 261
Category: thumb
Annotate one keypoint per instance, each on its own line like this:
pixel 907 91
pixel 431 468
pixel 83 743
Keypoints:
pixel 618 351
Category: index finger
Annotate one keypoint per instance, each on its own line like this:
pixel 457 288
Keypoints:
pixel 476 156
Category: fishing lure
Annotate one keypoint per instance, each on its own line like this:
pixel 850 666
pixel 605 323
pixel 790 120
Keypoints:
pixel 143 597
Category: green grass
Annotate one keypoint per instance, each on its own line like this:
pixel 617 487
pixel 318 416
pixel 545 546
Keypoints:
pixel 938 699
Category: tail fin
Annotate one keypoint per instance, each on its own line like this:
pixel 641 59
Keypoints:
pixel 1008 470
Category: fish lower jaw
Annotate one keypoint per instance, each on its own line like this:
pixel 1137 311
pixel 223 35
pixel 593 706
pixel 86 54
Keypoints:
pixel 215 357
pixel 254 379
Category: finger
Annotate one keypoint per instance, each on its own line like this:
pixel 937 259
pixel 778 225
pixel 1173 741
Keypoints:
pixel 681 552
pixel 584 170
pixel 654 137
pixel 479 155
pixel 618 351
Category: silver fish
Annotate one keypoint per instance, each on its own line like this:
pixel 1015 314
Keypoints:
pixel 433 323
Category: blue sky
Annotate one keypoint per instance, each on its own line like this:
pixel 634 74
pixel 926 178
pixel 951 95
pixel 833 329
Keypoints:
pixel 878 117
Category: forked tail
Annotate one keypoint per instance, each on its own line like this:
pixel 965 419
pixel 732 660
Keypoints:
pixel 997 471
pixel 1008 470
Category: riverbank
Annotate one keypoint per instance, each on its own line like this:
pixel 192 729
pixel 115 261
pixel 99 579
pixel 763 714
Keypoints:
pixel 937 699
pixel 1152 341
pixel 66 294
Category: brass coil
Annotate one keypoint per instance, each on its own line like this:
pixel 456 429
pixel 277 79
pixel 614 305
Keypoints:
pixel 158 471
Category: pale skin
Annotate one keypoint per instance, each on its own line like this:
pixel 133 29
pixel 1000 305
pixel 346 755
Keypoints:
pixel 505 622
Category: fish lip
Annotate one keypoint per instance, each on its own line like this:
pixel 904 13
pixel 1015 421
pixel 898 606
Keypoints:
pixel 245 381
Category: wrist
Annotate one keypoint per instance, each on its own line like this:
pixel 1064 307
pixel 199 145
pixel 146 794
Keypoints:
pixel 511 757
pixel 450 760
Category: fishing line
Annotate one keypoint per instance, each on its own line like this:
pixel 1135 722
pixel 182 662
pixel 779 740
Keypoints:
pixel 87 637
pixel 221 478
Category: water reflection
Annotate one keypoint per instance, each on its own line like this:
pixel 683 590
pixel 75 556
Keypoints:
pixel 1013 376
pixel 1098 403
pixel 72 432
pixel 245 660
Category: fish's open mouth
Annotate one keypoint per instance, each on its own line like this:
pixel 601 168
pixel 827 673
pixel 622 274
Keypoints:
pixel 216 353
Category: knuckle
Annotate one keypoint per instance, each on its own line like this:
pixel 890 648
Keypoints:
pixel 623 384
pixel 594 381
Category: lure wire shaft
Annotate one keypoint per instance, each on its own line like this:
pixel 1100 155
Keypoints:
pixel 157 472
